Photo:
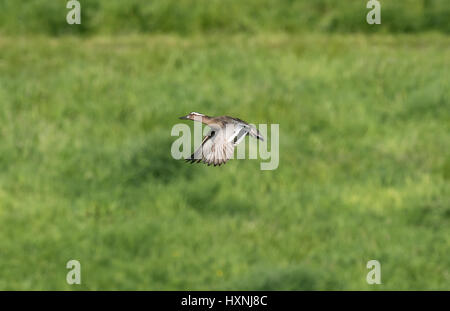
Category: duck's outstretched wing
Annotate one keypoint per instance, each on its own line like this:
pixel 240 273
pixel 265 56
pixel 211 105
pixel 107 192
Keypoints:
pixel 197 155
pixel 215 149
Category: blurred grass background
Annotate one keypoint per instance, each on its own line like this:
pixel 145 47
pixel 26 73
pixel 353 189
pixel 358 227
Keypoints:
pixel 230 16
pixel 86 171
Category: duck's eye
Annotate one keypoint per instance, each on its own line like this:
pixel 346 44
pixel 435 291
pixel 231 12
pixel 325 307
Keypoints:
pixel 235 139
pixel 212 133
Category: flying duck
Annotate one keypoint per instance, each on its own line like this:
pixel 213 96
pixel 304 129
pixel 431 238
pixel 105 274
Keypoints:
pixel 218 145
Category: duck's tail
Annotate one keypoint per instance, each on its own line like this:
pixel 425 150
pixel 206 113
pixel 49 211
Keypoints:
pixel 255 133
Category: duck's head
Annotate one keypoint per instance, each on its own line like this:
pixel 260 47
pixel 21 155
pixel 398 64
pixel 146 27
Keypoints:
pixel 193 116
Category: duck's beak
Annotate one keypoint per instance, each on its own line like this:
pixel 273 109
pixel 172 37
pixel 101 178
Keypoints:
pixel 184 118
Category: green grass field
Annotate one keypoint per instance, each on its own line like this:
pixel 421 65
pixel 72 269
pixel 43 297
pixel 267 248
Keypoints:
pixel 86 171
pixel 187 17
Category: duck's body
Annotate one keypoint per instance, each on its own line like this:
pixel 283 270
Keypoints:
pixel 218 145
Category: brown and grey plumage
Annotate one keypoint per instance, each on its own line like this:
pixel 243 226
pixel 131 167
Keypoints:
pixel 218 145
